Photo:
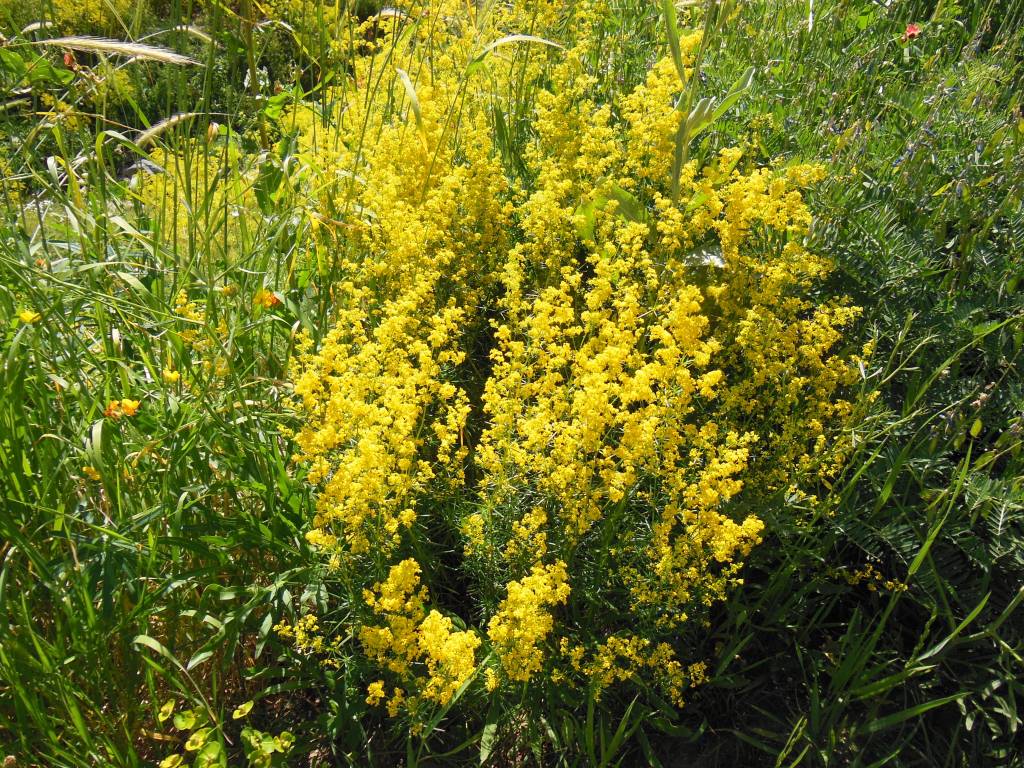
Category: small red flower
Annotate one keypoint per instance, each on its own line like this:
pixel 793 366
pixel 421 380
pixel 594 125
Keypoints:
pixel 69 60
pixel 912 31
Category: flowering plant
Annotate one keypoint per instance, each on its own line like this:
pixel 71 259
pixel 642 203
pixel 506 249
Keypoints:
pixel 589 386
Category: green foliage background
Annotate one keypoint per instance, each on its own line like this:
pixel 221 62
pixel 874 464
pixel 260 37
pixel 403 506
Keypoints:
pixel 163 579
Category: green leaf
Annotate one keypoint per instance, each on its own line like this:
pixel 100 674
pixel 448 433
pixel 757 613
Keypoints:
pixel 478 60
pixel 198 739
pixel 267 184
pixel 710 114
pixel 586 219
pixel 165 711
pixel 13 65
pixel 414 100
pixel 274 106
pixel 703 114
pixel 628 208
pixel 211 754
pixel 38 72
pixel 42 73
pixel 146 640
pixel 267 744
pixel 896 718
pixel 185 721
pixel 135 283
pixel 741 86
pixel 672 32
pixel 242 710
pixel 937 648
pixel 284 741
pixel 198 659
pixel 488 737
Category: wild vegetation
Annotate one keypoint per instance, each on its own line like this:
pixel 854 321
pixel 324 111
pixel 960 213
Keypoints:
pixel 570 383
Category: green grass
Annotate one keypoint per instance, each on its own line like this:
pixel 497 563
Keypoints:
pixel 162 578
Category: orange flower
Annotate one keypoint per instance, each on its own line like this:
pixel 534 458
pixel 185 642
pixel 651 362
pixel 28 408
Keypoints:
pixel 266 298
pixel 118 408
pixel 912 31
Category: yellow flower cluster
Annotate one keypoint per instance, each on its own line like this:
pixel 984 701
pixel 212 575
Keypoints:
pixel 621 657
pixel 305 634
pixel 80 17
pixel 870 576
pixel 12 187
pixel 382 396
pixel 116 409
pixel 593 382
pixel 202 199
pixel 524 621
pixel 422 649
pixel 193 318
pixel 208 352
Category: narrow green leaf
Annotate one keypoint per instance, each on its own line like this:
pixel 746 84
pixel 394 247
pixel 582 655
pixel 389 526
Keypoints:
pixel 896 718
pixel 414 101
pixel 672 32
pixel 478 60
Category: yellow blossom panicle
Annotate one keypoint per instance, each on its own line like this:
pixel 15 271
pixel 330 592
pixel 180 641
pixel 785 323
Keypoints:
pixel 78 17
pixel 593 379
pixel 308 638
pixel 421 649
pixel 427 218
pixel 524 620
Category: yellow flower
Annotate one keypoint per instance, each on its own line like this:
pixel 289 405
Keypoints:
pixel 28 316
pixel 375 693
pixel 91 473
pixel 412 641
pixel 118 408
pixel 171 376
pixel 491 680
pixel 523 620
pixel 129 407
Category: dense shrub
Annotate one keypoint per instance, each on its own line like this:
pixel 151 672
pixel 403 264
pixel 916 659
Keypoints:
pixel 590 388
